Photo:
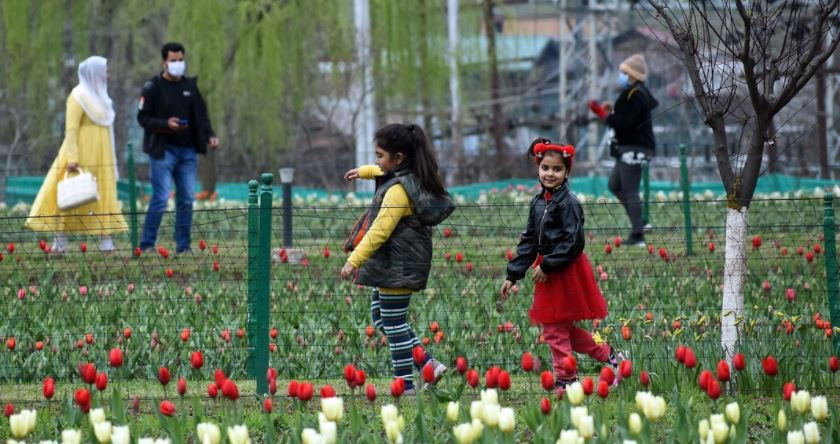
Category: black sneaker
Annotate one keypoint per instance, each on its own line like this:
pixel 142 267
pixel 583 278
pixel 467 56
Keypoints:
pixel 635 239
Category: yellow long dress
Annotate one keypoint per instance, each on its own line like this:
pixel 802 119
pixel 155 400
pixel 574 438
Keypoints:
pixel 89 145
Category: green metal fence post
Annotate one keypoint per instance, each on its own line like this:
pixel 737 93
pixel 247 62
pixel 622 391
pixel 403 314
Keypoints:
pixel 686 190
pixel 646 193
pixel 264 298
pixel 132 198
pixel 253 274
pixel 829 229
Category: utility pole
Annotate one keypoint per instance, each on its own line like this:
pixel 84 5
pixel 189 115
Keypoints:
pixel 457 139
pixel 365 121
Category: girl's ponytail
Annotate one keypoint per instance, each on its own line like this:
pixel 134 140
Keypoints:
pixel 411 140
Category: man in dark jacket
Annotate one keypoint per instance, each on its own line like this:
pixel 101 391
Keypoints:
pixel 177 128
pixel 634 142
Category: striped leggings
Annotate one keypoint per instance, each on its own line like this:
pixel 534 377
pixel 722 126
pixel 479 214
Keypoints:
pixel 389 313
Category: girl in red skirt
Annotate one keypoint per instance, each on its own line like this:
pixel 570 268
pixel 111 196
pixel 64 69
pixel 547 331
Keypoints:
pixel 565 290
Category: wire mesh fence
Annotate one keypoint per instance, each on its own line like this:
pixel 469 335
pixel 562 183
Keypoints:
pixel 163 308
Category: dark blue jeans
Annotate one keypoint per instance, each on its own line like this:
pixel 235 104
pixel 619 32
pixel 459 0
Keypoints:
pixel 179 163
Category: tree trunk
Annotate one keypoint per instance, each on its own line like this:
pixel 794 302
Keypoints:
pixel 498 124
pixel 456 141
pixel 735 270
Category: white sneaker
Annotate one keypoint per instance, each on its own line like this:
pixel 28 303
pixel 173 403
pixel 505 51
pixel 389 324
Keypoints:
pixel 647 227
pixel 107 244
pixel 440 369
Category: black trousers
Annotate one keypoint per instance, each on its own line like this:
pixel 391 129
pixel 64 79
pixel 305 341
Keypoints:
pixel 624 183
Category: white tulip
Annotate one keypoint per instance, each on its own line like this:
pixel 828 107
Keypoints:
pixel 477 410
pixel 328 431
pixel 628 441
pixel 800 401
pixel 654 407
pixel 102 430
pixel 635 423
pixel 781 420
pixel 29 418
pixel 795 436
pixel 389 412
pixel 71 436
pixel 463 433
pixel 575 393
pixel 48 442
pixel 392 431
pixel 568 437
pixel 819 407
pixel 507 420
pixel 720 430
pixel 576 413
pixel 310 436
pixel 733 412
pixel 490 414
pixel 641 400
pixel 586 427
pixel 238 434
pixel 146 441
pixel 120 435
pixel 490 396
pixel 453 411
pixel 716 418
pixel 17 425
pixel 208 433
pixel 477 428
pixel 333 408
pixel 703 428
pixel 812 432
pixel 96 416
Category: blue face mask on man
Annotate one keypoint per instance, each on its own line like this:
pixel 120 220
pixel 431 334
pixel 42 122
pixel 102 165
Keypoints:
pixel 623 80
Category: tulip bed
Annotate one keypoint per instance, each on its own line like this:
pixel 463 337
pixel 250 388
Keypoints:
pixel 127 323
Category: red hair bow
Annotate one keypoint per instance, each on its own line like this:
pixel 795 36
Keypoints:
pixel 565 150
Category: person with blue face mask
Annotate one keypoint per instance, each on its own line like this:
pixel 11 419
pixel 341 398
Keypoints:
pixel 634 143
pixel 177 128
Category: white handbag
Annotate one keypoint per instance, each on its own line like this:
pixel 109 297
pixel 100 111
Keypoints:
pixel 77 190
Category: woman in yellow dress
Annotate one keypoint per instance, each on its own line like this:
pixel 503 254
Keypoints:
pixel 89 146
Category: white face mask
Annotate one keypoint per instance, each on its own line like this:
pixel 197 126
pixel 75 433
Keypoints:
pixel 176 69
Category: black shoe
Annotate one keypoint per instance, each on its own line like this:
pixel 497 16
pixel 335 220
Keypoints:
pixel 563 383
pixel 635 239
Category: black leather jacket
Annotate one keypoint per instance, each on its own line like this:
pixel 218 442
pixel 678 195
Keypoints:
pixel 555 230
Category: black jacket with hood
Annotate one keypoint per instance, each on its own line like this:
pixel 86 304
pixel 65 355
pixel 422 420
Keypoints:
pixel 631 118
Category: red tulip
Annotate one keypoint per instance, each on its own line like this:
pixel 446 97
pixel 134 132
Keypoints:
pixel 326 252
pixel 170 273
pixel 766 286
pixel 272 386
pixel 491 379
pixel 607 249
pixel 644 378
pixel 293 389
pixel 459 257
pixel 817 248
pixel 787 390
pixel 603 389
pixel 327 391
pixel 49 388
pixel 182 386
pixel 588 386
pixel 756 242
pixel 350 375
pixel 196 360
pixel 790 294
pixel 723 371
pixel 267 405
pixel 714 389
pixel 202 244
pixel 212 390
pixel 370 392
pixel 461 364
pixel 10 408
pixel 11 343
pixel 271 374
pixel 419 355
pixel 545 405
pixel 447 232
pixel 101 381
pixel 472 378
pixel 88 373
pixel 82 396
pixel 83 247
pixel 115 357
pixel 833 364
pixel 163 375
pixel 570 365
pixel 305 391
pixel 509 255
pixel 771 368
pixel 10 247
pixel 167 408
pixel 809 257
pixel 447 256
pixel 428 373
pixel 527 362
pixel 127 333
pixel 711 247
pixel 704 379
pixel 679 354
pixel 690 359
pixel 504 380
pixel 607 375
pixel 547 380
pixel 739 362
pixel 215 265
pixel 397 387
pixel 360 378
pixel 663 253
pixel 230 390
pixel 219 377
pixel 42 244
pixel 626 369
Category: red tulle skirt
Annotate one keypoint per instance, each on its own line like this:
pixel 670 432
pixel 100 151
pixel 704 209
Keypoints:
pixel 569 294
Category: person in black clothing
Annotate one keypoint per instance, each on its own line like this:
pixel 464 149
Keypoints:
pixel 177 128
pixel 634 144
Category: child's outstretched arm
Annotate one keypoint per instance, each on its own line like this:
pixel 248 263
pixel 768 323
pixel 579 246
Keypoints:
pixel 570 245
pixel 526 252
pixel 364 172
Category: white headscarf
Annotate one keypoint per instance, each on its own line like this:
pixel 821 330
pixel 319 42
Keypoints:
pixel 92 95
